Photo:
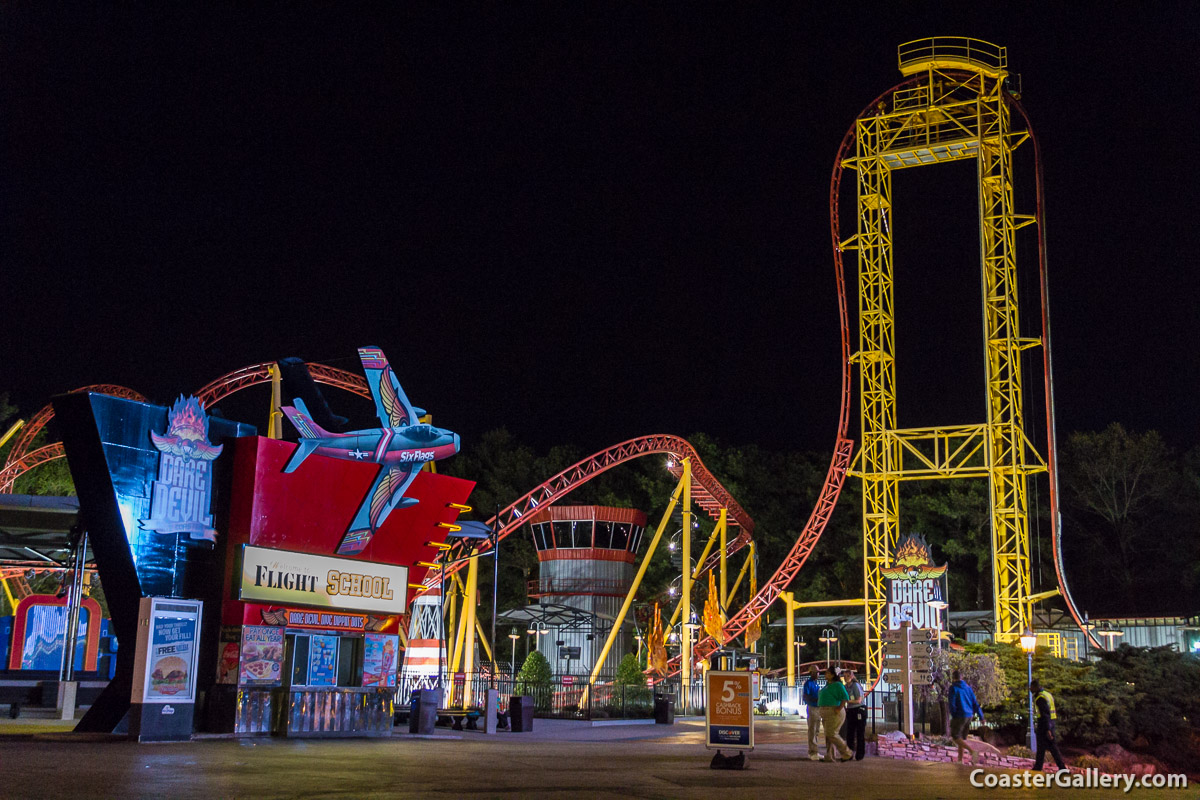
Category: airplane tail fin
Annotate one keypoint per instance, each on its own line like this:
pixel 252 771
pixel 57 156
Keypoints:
pixel 298 414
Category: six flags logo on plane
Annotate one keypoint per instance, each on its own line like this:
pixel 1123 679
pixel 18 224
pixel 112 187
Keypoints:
pixel 912 584
pixel 182 495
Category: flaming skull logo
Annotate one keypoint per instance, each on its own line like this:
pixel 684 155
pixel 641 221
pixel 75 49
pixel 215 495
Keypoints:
pixel 911 562
pixel 187 431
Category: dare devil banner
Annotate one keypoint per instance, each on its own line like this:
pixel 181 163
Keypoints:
pixel 913 582
pixel 182 495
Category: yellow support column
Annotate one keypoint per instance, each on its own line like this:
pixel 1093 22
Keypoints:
pixel 685 651
pixel 742 574
pixel 790 615
pixel 468 625
pixel 722 524
pixel 275 421
pixel 633 587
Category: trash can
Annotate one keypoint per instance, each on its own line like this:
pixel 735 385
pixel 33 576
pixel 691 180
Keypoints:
pixel 422 710
pixel 520 713
pixel 664 709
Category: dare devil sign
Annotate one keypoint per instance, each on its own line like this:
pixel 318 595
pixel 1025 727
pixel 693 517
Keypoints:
pixel 729 710
pixel 913 582
pixel 182 495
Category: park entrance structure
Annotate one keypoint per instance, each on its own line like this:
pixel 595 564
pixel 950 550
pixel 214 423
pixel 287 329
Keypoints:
pixel 956 104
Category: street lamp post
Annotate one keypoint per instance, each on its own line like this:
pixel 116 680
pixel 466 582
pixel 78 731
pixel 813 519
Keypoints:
pixel 1028 644
pixel 1109 632
pixel 1087 626
pixel 828 636
pixel 513 664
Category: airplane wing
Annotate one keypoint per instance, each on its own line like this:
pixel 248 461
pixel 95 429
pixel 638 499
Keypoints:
pixel 386 494
pixel 391 404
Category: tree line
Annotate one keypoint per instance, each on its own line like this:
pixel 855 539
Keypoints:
pixel 1130 517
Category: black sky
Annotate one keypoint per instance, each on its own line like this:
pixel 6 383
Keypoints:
pixel 584 222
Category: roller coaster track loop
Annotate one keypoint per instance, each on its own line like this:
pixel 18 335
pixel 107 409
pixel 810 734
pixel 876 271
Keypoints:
pixel 843 449
pixel 707 491
pixel 20 460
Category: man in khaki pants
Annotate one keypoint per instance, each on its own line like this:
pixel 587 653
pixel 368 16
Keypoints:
pixel 811 693
pixel 832 704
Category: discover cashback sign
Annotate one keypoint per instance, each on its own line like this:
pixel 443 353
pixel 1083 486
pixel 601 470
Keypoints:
pixel 729 710
pixel 283 577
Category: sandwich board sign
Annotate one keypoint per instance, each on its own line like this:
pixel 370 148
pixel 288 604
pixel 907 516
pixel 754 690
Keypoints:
pixel 164 685
pixel 729 710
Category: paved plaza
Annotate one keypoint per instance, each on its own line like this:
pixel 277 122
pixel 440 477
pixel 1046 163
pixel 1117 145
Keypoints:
pixel 558 759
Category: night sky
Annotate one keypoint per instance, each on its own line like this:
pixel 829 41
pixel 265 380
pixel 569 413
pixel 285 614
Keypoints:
pixel 584 222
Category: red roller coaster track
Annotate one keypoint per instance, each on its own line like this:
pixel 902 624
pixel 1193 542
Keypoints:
pixel 20 460
pixel 707 492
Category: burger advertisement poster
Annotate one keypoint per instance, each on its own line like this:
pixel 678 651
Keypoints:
pixel 171 652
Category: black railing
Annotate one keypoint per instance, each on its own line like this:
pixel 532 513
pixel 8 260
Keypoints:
pixel 563 697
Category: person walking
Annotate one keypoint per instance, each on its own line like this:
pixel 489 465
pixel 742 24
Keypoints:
pixel 1047 739
pixel 832 705
pixel 964 707
pixel 856 717
pixel 810 693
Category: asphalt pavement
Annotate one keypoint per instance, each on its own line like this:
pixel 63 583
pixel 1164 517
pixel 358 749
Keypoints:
pixel 557 759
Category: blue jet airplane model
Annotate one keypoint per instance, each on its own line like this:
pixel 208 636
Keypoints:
pixel 401 447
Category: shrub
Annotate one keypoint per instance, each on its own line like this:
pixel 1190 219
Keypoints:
pixel 629 672
pixel 535 675
pixel 1020 751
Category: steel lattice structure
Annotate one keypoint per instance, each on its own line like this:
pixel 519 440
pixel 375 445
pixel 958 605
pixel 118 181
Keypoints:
pixel 707 492
pixel 954 106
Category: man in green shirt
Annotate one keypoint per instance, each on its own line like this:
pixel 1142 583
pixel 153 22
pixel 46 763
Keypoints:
pixel 832 703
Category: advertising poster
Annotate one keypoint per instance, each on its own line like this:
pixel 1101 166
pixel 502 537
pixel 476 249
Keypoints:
pixel 261 656
pixel 729 710
pixel 379 659
pixel 171 656
pixel 322 661
pixel 227 663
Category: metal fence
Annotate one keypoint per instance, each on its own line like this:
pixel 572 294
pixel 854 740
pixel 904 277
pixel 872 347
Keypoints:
pixel 567 697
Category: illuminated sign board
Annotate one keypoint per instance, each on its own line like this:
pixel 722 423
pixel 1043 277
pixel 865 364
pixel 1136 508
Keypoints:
pixel 283 577
pixel 326 620
pixel 913 584
pixel 167 646
pixel 729 710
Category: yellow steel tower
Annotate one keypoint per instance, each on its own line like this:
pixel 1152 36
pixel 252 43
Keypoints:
pixel 952 107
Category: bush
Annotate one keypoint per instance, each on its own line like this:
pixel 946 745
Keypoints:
pixel 1019 751
pixel 1090 705
pixel 1163 708
pixel 535 678
pixel 629 672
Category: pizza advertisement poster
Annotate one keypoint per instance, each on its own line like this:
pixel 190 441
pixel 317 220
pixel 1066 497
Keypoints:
pixel 170 658
pixel 261 661
pixel 379 659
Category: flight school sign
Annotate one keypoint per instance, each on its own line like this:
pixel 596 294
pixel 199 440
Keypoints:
pixel 912 584
pixel 181 497
pixel 283 577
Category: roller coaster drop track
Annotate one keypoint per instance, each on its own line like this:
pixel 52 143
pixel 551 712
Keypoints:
pixel 708 493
